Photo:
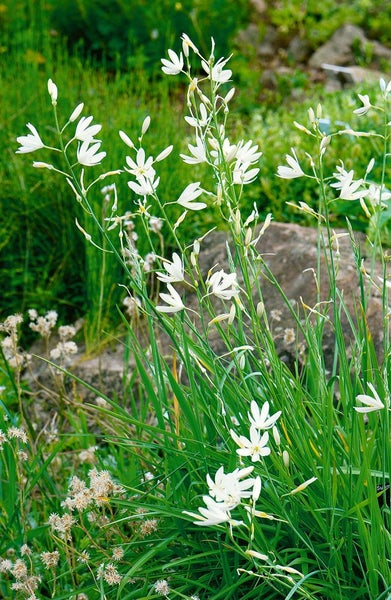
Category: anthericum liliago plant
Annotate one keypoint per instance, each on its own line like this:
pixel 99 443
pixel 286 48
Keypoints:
pixel 236 476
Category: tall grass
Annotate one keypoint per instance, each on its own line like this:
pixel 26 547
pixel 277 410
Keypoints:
pixel 45 262
pixel 221 473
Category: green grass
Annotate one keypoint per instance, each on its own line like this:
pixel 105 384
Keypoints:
pixel 320 526
pixel 169 426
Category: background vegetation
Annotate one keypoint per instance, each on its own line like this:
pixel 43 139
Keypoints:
pixel 108 53
pixel 93 488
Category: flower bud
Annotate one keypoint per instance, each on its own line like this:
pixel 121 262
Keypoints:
pixel 248 237
pixel 53 92
pixel 166 152
pixel 229 96
pixel 260 309
pixel 76 113
pixel 145 125
pixel 42 165
pixel 126 139
pixel 276 435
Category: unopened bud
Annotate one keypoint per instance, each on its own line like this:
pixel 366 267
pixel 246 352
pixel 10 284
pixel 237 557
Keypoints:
pixel 324 143
pixel 77 112
pixel 260 309
pixel 42 165
pixel 248 237
pixel 232 314
pixel 126 139
pixel 370 166
pixel 311 115
pixel 145 125
pixel 276 435
pixel 53 92
pixel 302 128
pixel 319 111
pixel 166 152
pixel 229 96
pixel 237 224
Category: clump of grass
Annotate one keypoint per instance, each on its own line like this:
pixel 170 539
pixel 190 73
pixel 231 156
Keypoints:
pixel 229 475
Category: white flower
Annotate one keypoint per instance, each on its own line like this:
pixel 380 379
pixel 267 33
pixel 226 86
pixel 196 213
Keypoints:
pixel 255 447
pixel 248 152
pixel 217 73
pixel 174 65
pixel 294 170
pixel 201 120
pixel 144 187
pixel 378 192
pixel 186 44
pixel 142 167
pixel 366 105
pixel 230 488
pixel 53 92
pixel 260 419
pixel 198 151
pixel 84 131
pixel 174 270
pixel 349 189
pixel 228 150
pixel 162 588
pixel 215 513
pixel 241 176
pixel 173 300
pixel 189 194
pixel 385 88
pixel 30 142
pixel 223 285
pixel 372 403
pixel 88 155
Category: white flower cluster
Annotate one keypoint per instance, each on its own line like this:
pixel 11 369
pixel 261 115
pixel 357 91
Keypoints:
pixel 210 148
pixel 65 347
pixel 227 490
pixel 9 344
pixel 88 148
pixel 42 324
pixel 349 187
pixel 81 496
pixel 256 445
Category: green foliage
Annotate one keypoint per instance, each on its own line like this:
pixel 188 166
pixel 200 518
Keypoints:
pixel 45 262
pixel 118 486
pixel 317 21
pixel 136 33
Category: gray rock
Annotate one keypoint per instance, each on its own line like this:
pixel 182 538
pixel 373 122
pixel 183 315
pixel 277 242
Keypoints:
pixel 341 48
pixel 338 50
pixel 290 252
pixel 298 49
pixel 260 6
pixel 339 77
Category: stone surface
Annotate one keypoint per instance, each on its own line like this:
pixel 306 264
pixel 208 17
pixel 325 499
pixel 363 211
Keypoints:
pixel 338 77
pixel 290 251
pixel 341 48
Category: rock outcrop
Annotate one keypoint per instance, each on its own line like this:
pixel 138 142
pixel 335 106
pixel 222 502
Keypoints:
pixel 290 251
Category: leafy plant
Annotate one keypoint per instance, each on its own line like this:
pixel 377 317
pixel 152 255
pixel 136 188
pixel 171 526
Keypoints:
pixel 229 474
